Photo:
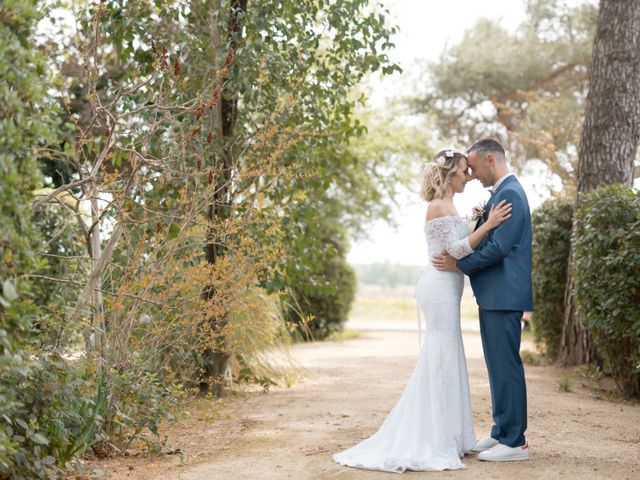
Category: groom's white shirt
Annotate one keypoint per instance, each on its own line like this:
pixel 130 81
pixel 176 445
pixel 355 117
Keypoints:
pixel 500 180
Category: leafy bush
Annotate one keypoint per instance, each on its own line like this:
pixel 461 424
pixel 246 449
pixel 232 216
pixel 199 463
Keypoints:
pixel 138 401
pixel 49 416
pixel 321 300
pixel 606 271
pixel 551 243
pixel 328 306
pixel 39 395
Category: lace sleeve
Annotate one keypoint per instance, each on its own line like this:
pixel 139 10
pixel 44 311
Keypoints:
pixel 444 230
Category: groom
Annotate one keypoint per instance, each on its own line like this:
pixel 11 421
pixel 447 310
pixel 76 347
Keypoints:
pixel 500 273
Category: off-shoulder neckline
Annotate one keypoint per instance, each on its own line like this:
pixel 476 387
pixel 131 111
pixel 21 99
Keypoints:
pixel 441 217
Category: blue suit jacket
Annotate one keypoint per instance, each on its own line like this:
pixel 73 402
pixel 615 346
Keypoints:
pixel 500 266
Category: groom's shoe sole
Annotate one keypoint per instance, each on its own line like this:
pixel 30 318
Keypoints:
pixel 519 456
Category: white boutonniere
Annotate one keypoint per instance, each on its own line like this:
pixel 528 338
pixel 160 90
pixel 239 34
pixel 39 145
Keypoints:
pixel 478 212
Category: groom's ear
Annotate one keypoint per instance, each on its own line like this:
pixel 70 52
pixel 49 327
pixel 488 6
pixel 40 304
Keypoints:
pixel 491 159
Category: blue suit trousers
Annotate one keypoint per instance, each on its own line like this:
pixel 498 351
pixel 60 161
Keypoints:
pixel 501 333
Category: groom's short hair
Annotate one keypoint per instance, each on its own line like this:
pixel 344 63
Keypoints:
pixel 488 145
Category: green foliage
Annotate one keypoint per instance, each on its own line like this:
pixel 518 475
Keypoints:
pixel 294 76
pixel 552 223
pixel 139 401
pixel 529 358
pixel 606 272
pixel 564 385
pixel 527 88
pixel 320 302
pixel 24 125
pixel 39 392
pixel 49 417
pixel 63 256
pixel 141 84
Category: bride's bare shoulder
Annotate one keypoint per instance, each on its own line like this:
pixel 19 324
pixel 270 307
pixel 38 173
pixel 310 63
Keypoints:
pixel 440 208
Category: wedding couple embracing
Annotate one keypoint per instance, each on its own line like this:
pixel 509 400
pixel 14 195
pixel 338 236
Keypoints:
pixel 431 426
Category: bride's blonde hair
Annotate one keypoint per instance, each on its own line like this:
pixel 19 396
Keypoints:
pixel 438 173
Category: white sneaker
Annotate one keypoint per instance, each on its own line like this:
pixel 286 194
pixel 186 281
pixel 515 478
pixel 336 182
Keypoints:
pixel 485 444
pixel 503 453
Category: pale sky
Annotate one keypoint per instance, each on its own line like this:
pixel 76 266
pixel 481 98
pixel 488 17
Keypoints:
pixel 426 28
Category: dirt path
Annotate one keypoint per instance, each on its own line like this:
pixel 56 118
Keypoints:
pixel 351 386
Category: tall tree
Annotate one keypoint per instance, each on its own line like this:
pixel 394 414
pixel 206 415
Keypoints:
pixel 293 65
pixel 223 117
pixel 527 87
pixel 227 119
pixel 610 135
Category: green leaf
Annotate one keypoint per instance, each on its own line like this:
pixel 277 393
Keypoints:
pixel 39 439
pixel 9 290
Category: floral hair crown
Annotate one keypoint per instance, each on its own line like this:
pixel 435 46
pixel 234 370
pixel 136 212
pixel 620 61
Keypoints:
pixel 446 154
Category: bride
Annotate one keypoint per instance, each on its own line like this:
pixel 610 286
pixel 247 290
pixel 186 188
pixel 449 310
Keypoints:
pixel 431 427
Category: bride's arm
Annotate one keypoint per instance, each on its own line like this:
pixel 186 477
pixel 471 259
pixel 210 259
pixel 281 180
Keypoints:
pixel 498 214
pixel 444 228
pixel 440 215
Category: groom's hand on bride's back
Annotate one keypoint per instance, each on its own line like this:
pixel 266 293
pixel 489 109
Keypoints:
pixel 444 262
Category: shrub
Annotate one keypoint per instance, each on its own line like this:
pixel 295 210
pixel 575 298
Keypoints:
pixel 564 385
pixel 139 401
pixel 321 300
pixel 39 395
pixel 324 310
pixel 49 416
pixel 551 243
pixel 606 271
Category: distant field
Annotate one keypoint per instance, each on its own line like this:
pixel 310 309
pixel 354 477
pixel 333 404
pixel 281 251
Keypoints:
pixel 377 306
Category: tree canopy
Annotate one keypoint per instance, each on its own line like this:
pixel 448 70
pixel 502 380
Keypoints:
pixel 526 88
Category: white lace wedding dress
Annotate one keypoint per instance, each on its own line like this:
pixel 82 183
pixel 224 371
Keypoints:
pixel 431 426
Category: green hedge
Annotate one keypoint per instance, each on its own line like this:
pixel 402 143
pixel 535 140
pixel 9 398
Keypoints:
pixel 551 244
pixel 328 306
pixel 321 295
pixel 606 272
pixel 42 410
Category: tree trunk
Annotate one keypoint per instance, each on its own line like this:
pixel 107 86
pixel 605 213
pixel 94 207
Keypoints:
pixel 222 122
pixel 576 347
pixel 610 135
